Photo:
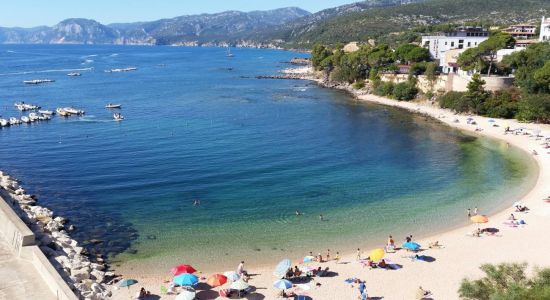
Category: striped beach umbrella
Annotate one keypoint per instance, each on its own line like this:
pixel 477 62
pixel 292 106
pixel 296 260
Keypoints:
pixel 282 284
pixel 282 268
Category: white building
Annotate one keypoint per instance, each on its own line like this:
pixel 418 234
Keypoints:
pixel 544 30
pixel 462 38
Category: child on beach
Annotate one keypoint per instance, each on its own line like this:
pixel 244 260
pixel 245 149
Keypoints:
pixel 337 257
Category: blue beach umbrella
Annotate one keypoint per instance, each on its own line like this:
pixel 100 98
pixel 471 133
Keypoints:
pixel 186 279
pixel 282 284
pixel 282 268
pixel 127 282
pixel 491 121
pixel 411 246
pixel 308 258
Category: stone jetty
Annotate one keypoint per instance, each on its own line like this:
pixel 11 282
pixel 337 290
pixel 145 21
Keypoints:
pixel 87 279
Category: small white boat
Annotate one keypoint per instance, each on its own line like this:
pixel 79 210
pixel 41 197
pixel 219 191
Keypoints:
pixel 33 117
pixel 14 121
pixel 22 106
pixel 25 119
pixel 111 105
pixel 4 123
pixel 74 74
pixel 44 118
pixel 60 111
pixel 118 117
pixel 73 111
pixel 38 81
pixel 121 70
pixel 46 112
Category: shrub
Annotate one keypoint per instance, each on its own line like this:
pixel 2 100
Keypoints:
pixel 384 89
pixel 454 101
pixel 405 91
pixel 534 107
pixel 503 104
pixel 359 84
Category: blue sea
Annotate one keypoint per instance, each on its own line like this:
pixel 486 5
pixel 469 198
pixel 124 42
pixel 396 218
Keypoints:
pixel 199 126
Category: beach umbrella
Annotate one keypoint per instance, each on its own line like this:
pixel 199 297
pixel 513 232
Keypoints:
pixel 411 246
pixel 240 285
pixel 282 284
pixel 282 268
pixel 377 254
pixel 127 282
pixel 479 219
pixel 182 269
pixel 187 294
pixel 232 275
pixel 309 258
pixel 216 280
pixel 186 279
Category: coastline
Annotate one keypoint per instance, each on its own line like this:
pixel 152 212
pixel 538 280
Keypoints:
pixel 462 254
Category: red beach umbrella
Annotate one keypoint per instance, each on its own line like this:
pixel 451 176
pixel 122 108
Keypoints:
pixel 183 269
pixel 216 280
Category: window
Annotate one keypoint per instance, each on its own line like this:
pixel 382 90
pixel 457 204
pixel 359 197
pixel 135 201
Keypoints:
pixel 452 44
pixel 469 44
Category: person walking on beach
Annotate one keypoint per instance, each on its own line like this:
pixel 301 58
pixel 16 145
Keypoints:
pixel 328 254
pixel 337 257
pixel 475 211
pixel 469 212
pixel 358 254
pixel 362 287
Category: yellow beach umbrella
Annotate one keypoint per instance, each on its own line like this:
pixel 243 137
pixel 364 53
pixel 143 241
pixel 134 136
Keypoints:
pixel 479 219
pixel 377 254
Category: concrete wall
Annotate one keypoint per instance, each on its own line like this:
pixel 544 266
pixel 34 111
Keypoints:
pixel 452 82
pixel 14 229
pixel 22 241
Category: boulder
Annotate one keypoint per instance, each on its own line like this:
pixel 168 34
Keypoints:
pixel 80 274
pixel 98 275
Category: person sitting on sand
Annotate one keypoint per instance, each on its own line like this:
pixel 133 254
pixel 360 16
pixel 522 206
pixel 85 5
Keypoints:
pixel 320 258
pixel 512 217
pixel 434 245
pixel 382 264
pixel 408 239
pixel 289 273
pixel 297 272
pixel 391 242
pixel 241 271
pixel 142 294
pixel 421 293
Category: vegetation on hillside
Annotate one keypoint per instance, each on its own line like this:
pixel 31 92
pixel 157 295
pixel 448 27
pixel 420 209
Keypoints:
pixel 424 17
pixel 528 101
pixel 507 282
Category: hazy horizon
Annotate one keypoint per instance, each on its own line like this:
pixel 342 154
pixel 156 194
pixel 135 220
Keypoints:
pixel 34 13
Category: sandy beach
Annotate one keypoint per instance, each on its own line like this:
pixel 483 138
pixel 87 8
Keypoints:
pixel 461 254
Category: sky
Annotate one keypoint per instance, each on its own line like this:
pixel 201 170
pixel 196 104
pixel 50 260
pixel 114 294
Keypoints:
pixel 30 13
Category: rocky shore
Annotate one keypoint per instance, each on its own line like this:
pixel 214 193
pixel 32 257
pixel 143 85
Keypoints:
pixel 87 279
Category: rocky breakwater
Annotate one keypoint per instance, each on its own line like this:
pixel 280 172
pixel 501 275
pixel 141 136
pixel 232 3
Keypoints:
pixel 87 279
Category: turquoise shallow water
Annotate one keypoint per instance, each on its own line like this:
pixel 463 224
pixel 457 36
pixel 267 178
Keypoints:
pixel 200 126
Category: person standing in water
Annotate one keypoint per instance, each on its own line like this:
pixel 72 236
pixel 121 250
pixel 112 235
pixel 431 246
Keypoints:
pixel 321 217
pixel 475 211
pixel 469 212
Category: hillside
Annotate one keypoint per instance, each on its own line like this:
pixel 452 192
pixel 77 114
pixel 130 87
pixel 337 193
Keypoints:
pixel 376 21
pixel 220 28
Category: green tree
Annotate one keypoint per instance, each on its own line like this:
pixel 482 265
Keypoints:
pixel 410 53
pixel 489 47
pixel 476 94
pixel 319 56
pixel 431 74
pixel 542 77
pixel 534 107
pixel 507 282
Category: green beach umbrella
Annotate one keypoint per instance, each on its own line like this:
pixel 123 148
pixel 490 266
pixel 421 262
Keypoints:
pixel 239 285
pixel 127 282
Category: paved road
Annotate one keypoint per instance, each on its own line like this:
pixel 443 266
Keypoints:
pixel 19 279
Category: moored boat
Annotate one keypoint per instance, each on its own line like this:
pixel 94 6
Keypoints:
pixel 25 119
pixel 73 111
pixel 4 123
pixel 46 112
pixel 74 74
pixel 121 70
pixel 111 105
pixel 33 117
pixel 22 106
pixel 14 121
pixel 60 111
